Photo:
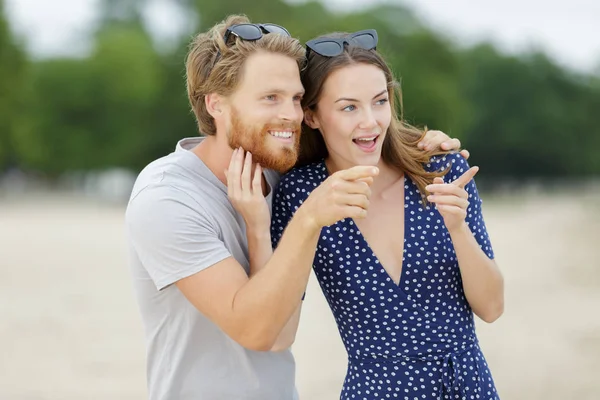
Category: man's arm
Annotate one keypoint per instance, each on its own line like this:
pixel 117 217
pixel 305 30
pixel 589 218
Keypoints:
pixel 260 250
pixel 251 310
pixel 254 310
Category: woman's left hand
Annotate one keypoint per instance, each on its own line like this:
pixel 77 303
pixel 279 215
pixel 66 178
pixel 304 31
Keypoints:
pixel 451 199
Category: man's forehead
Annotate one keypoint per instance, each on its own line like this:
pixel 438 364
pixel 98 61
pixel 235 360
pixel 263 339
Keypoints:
pixel 272 72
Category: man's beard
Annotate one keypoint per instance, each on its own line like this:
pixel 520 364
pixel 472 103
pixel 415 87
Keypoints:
pixel 255 139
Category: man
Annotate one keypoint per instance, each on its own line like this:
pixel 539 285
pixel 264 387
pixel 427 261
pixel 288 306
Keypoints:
pixel 218 321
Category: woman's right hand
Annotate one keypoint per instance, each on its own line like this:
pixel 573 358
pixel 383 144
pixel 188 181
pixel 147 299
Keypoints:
pixel 244 188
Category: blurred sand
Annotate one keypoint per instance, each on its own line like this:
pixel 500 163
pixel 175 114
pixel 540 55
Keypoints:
pixel 70 328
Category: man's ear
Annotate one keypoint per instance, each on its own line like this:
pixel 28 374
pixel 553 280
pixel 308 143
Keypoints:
pixel 310 119
pixel 214 104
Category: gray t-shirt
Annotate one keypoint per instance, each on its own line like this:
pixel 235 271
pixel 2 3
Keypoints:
pixel 179 222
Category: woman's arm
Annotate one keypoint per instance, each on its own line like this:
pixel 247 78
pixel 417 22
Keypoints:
pixel 482 280
pixel 483 283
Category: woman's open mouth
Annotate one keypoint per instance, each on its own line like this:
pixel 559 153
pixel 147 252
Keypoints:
pixel 366 143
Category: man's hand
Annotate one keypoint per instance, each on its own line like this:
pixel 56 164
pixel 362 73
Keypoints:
pixel 439 140
pixel 345 194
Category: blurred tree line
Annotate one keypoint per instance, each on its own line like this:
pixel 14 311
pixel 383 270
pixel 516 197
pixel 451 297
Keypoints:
pixel 124 104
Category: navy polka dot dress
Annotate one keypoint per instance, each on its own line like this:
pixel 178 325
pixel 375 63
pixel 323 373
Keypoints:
pixel 414 340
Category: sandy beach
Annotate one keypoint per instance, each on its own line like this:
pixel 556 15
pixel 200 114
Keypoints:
pixel 70 328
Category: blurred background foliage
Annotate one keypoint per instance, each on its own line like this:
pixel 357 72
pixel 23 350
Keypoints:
pixel 124 104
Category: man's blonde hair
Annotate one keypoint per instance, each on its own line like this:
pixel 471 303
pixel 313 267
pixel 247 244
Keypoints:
pixel 223 78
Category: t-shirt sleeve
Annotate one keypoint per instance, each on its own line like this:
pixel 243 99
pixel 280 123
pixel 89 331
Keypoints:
pixel 172 235
pixel 458 166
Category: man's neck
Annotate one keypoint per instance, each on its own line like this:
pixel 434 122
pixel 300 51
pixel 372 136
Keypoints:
pixel 215 155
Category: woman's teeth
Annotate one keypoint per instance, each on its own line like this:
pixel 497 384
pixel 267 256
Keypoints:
pixel 365 140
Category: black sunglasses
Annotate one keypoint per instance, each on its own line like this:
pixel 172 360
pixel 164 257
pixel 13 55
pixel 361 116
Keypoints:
pixel 331 47
pixel 250 32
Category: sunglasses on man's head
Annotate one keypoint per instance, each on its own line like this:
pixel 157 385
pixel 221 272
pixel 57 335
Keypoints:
pixel 253 31
pixel 331 47
pixel 250 32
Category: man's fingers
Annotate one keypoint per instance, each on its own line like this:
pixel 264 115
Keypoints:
pixel 352 187
pixel 354 212
pixel 466 177
pixel 358 172
pixel 452 144
pixel 368 181
pixel 430 140
pixel 355 200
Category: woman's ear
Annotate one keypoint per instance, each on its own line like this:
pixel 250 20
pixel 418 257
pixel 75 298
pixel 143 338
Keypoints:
pixel 311 119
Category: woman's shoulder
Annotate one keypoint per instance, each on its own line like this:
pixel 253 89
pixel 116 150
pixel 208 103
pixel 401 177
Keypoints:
pixel 455 163
pixel 304 178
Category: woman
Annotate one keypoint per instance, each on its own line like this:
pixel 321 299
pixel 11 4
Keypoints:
pixel 403 282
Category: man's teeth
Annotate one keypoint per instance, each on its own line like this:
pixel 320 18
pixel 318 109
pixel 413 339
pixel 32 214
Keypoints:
pixel 285 135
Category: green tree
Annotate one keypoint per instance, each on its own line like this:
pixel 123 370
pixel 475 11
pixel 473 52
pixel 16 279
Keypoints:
pixel 13 66
pixel 528 117
pixel 98 111
pixel 125 104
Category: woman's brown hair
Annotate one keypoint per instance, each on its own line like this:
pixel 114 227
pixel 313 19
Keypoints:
pixel 399 148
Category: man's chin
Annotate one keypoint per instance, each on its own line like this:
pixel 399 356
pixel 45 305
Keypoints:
pixel 281 161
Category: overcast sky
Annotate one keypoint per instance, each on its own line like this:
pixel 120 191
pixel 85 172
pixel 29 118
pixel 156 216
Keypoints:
pixel 570 37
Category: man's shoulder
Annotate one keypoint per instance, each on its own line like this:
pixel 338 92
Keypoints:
pixel 167 195
pixel 155 176
pixel 177 173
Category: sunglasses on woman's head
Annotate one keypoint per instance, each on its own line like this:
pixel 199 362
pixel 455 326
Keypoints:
pixel 250 32
pixel 331 47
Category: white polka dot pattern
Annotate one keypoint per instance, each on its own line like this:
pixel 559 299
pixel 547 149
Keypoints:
pixel 414 340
